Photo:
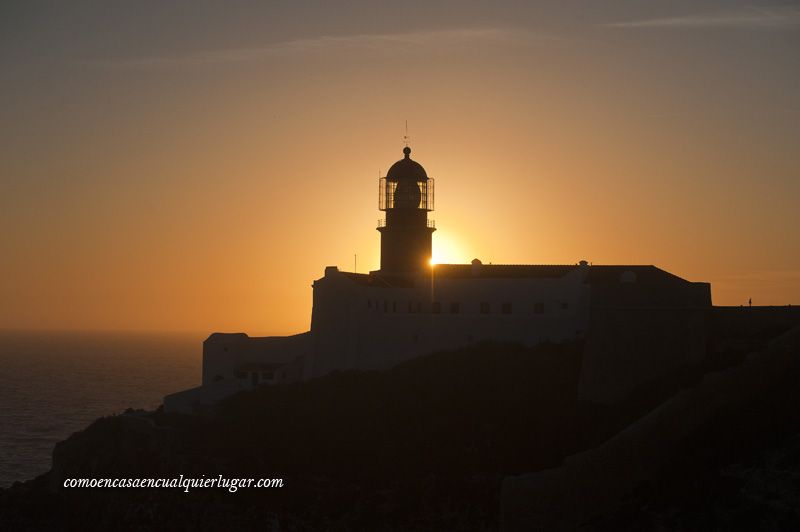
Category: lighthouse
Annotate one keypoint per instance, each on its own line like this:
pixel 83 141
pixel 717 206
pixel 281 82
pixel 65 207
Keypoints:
pixel 406 196
pixel 376 320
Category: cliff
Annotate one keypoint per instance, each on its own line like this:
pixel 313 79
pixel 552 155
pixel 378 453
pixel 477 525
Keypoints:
pixel 424 445
pixel 680 465
pixel 427 446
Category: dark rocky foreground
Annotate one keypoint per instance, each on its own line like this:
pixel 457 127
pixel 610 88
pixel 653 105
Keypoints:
pixel 722 454
pixel 484 438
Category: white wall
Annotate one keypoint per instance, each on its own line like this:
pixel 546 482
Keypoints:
pixel 351 330
pixel 224 354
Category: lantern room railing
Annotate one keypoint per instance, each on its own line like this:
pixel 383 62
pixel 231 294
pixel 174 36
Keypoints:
pixel 429 223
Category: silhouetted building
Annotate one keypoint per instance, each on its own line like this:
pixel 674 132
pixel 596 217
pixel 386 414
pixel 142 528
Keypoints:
pixel 409 308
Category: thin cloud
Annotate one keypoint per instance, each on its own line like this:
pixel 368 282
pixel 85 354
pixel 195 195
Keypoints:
pixel 376 43
pixel 753 18
pixel 765 276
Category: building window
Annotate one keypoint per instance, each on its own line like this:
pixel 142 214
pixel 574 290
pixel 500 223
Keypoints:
pixel 436 307
pixel 485 308
pixel 369 303
pixel 506 308
pixel 419 306
pixel 385 305
pixel 241 374
pixel 267 375
pixel 538 308
pixel 564 305
pixel 455 307
pixel 415 338
pixel 410 310
pixel 394 306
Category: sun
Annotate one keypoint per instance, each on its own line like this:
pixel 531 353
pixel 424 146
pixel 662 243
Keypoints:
pixel 447 250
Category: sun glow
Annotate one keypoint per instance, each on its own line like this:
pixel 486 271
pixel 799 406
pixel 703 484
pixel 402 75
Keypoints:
pixel 447 250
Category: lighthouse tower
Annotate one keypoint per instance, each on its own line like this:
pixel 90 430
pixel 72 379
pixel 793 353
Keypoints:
pixel 406 195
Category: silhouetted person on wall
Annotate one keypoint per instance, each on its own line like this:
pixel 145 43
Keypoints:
pixel 750 302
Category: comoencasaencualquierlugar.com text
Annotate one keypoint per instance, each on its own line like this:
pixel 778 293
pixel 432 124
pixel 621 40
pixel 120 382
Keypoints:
pixel 187 483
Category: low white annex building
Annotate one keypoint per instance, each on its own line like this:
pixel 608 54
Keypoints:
pixel 409 308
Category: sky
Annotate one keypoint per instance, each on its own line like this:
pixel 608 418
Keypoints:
pixel 195 165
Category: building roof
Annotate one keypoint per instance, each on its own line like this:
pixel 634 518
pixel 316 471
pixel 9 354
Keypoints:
pixel 596 274
pixel 463 271
pixel 620 286
pixel 499 271
pixel 644 273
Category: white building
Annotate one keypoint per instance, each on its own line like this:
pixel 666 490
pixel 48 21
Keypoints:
pixel 409 308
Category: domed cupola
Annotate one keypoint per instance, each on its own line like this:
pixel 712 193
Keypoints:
pixel 406 194
pixel 410 178
pixel 406 168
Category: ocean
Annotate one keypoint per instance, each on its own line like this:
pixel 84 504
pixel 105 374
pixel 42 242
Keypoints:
pixel 53 384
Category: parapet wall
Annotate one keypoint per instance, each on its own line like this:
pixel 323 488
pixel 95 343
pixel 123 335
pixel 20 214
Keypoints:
pixel 629 347
pixel 747 327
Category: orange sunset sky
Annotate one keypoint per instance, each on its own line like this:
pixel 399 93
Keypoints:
pixel 187 166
